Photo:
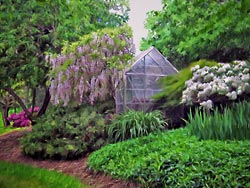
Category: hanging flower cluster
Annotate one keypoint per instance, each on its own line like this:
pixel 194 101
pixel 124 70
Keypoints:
pixel 229 80
pixel 88 71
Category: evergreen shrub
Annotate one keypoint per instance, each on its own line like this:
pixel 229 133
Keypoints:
pixel 65 133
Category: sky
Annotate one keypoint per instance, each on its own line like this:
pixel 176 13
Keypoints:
pixel 138 16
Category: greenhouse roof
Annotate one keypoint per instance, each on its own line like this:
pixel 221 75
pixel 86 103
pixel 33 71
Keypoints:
pixel 151 58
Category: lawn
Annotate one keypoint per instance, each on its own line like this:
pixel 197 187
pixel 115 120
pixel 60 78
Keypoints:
pixel 23 176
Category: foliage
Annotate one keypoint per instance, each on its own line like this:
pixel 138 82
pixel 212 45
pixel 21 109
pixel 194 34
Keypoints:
pixel 217 84
pixel 21 119
pixel 186 31
pixel 174 159
pixel 30 29
pixel 77 18
pixel 23 176
pixel 89 70
pixel 232 123
pixel 132 124
pixel 65 133
pixel 173 85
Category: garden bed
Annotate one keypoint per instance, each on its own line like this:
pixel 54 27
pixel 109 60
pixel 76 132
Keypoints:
pixel 10 151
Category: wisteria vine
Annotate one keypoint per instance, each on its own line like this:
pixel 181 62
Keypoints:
pixel 89 70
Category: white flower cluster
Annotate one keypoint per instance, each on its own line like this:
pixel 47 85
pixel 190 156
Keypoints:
pixel 230 80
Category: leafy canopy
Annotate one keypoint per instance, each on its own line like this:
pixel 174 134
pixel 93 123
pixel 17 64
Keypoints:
pixel 31 28
pixel 186 31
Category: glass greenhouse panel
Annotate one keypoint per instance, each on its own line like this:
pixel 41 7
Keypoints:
pixel 141 81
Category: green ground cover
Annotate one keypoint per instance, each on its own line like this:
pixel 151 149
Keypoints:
pixel 23 176
pixel 176 159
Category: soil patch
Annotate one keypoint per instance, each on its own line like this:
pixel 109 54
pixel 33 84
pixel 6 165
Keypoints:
pixel 10 151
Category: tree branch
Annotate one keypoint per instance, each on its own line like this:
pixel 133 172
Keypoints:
pixel 19 100
pixel 45 102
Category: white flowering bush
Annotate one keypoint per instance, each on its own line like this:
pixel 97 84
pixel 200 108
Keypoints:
pixel 222 82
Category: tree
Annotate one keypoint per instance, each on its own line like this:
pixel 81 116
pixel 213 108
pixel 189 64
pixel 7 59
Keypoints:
pixel 89 70
pixel 186 31
pixel 31 28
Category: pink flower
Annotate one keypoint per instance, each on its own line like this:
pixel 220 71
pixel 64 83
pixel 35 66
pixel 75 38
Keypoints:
pixel 25 123
pixel 36 109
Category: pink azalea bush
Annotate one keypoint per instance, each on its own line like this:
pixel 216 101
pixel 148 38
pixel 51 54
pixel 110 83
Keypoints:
pixel 21 119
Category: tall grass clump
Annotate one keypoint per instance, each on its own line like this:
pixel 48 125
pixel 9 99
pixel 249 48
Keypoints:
pixel 232 123
pixel 132 124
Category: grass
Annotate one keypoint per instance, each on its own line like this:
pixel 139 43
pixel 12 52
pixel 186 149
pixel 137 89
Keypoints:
pixel 233 123
pixel 133 124
pixel 23 176
pixel 176 159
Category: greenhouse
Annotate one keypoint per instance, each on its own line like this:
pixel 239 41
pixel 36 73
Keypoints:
pixel 140 82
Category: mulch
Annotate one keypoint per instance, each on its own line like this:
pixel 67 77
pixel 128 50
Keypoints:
pixel 10 151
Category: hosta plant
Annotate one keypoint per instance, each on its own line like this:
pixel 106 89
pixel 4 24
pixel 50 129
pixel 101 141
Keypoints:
pixel 132 124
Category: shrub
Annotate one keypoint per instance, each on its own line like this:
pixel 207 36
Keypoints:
pixel 219 84
pixel 65 133
pixel 173 85
pixel 233 123
pixel 175 159
pixel 132 124
pixel 21 119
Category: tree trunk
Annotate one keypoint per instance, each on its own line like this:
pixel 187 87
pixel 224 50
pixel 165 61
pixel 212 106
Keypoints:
pixel 45 102
pixel 4 117
pixel 33 100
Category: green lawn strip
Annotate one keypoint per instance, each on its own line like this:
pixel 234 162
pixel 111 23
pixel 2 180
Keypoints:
pixel 23 176
pixel 175 159
pixel 6 130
